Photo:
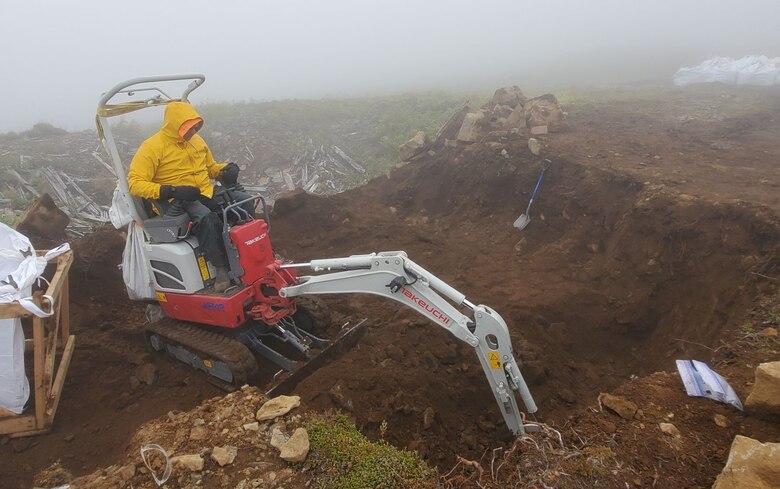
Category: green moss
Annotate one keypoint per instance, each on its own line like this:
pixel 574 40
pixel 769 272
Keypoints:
pixel 345 459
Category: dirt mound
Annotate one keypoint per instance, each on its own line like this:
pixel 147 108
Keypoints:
pixel 195 441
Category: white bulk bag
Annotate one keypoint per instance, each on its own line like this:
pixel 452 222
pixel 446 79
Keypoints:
pixel 135 272
pixel 20 267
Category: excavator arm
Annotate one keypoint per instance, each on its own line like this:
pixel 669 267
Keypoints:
pixel 393 275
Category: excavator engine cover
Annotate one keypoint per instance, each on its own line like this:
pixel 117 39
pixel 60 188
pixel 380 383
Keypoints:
pixel 254 249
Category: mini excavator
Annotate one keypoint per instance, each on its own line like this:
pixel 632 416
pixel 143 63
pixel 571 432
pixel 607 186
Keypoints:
pixel 266 312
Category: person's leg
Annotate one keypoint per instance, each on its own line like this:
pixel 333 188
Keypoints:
pixel 208 229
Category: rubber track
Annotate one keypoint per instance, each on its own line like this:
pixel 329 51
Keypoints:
pixel 208 344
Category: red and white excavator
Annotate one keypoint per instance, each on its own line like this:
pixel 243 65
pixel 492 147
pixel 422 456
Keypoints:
pixel 264 309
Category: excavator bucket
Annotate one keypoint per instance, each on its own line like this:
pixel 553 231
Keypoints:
pixel 285 382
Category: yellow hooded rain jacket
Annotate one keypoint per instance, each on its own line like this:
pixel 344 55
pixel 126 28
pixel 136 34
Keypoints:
pixel 167 159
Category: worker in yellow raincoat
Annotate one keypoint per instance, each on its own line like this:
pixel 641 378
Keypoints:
pixel 174 169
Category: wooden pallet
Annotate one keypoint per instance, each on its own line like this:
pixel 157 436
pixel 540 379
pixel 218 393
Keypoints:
pixel 49 335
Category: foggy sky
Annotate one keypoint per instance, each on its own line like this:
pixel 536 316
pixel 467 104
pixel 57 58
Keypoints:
pixel 59 56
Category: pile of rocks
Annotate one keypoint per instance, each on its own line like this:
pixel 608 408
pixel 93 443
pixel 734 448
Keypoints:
pixel 510 114
pixel 241 440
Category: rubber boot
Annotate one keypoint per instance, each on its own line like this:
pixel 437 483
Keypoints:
pixel 221 280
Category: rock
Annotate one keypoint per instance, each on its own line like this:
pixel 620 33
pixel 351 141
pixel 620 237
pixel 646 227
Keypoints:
pixel 768 333
pixel 516 119
pixel 193 463
pixel 69 438
pixel 618 405
pixel 251 426
pixel 670 429
pixel 339 398
pixel 199 433
pixel 278 406
pixel 721 420
pixel 224 455
pixel 418 144
pixel 534 146
pixel 297 447
pixel 539 130
pixel 146 373
pixel 134 382
pixel 428 416
pixel 394 352
pixel 751 465
pixel 545 111
pixel 764 398
pixel 511 96
pixel 469 131
pixel 278 438
pixel 43 220
pixel 126 472
pixel 505 153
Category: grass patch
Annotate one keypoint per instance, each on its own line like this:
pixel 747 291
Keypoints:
pixel 345 459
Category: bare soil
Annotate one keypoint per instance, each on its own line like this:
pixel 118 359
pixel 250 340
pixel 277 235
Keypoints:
pixel 653 238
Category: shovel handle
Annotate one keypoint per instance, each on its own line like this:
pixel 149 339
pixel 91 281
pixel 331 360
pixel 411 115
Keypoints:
pixel 538 183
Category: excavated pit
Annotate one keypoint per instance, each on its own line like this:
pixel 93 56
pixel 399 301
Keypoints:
pixel 613 278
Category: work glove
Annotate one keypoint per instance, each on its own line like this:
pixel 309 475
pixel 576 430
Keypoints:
pixel 229 174
pixel 187 193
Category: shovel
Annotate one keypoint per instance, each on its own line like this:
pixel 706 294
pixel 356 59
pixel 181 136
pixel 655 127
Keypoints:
pixel 522 221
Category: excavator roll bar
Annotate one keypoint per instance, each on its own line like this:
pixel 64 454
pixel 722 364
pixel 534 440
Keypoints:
pixel 393 275
pixel 106 110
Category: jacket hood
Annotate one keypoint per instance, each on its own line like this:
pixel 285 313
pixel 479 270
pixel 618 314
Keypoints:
pixel 176 114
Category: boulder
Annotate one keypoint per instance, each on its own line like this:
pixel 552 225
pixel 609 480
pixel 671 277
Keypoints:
pixel 618 405
pixel 516 119
pixel 193 463
pixel 278 406
pixel 534 146
pixel 449 130
pixel 43 222
pixel 545 111
pixel 146 373
pixel 764 398
pixel 511 96
pixel 751 465
pixel 469 130
pixel 224 455
pixel 418 144
pixel 297 447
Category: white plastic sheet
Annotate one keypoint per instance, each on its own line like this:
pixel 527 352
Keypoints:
pixel 20 267
pixel 120 212
pixel 701 381
pixel 135 272
pixel 748 70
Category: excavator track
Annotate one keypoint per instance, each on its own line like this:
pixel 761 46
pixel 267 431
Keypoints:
pixel 228 362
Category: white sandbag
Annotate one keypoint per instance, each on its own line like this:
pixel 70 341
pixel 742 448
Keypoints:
pixel 135 272
pixel 14 386
pixel 748 70
pixel 120 211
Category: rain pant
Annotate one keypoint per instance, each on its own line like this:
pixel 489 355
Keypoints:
pixel 167 159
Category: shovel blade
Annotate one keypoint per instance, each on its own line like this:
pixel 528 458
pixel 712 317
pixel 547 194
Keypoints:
pixel 522 221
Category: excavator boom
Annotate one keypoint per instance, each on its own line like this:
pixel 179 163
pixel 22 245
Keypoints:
pixel 393 275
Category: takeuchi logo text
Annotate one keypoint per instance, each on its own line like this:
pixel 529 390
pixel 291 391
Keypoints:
pixel 425 306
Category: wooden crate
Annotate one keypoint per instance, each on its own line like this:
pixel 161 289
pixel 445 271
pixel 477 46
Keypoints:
pixel 50 335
